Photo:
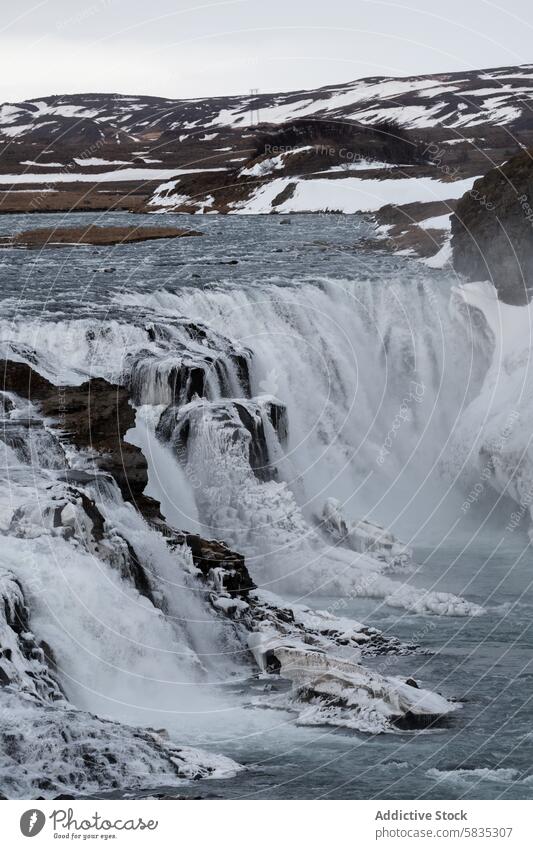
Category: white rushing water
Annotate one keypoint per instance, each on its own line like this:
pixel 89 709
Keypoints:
pixel 271 416
pixel 374 382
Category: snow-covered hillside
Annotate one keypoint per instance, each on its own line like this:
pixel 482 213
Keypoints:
pixel 500 96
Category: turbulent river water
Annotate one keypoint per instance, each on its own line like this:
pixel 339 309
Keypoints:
pixel 375 366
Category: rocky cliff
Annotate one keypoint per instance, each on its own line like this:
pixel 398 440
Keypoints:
pixel 492 230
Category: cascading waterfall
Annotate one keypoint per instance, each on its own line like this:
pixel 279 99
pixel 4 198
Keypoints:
pixel 308 352
pixel 80 629
pixel 117 640
pixel 373 378
pixel 256 407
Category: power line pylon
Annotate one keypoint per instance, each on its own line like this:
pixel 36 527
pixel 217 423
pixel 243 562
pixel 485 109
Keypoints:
pixel 254 109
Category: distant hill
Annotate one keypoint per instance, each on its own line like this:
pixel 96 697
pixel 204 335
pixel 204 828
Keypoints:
pixel 364 145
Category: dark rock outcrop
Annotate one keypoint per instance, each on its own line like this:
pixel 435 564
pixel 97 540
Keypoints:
pixel 492 230
pixel 24 381
pixel 404 227
pixel 222 568
pixel 384 140
pixel 94 417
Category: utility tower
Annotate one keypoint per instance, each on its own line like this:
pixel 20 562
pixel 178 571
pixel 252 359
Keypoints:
pixel 254 108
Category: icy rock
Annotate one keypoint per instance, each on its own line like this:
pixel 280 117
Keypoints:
pixel 247 424
pixel 272 621
pixel 364 536
pixel 24 662
pixel 33 444
pixel 213 371
pixel 333 691
pixel 61 750
pixel 68 511
pixel 23 430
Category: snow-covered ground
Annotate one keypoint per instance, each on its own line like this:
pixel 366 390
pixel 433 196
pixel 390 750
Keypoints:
pixel 120 175
pixel 320 194
pixel 350 194
pixel 415 102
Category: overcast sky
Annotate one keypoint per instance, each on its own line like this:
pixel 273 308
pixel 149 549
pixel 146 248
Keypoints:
pixel 190 48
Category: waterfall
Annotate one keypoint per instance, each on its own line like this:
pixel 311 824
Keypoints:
pixel 272 418
pixel 374 380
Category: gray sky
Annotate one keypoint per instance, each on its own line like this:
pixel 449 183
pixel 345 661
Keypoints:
pixel 190 48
